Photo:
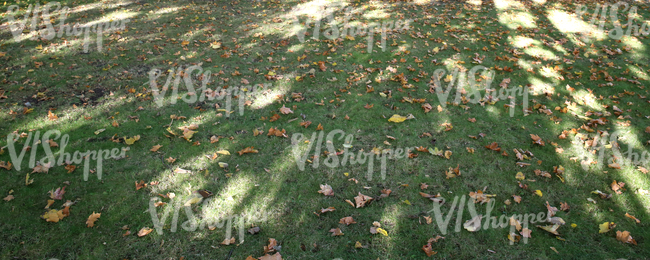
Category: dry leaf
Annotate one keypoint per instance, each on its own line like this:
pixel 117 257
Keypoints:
pixel 92 218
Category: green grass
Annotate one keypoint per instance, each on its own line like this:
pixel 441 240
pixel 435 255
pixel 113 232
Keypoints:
pixel 97 86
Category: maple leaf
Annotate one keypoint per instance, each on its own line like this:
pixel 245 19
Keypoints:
pixel 616 186
pixel 8 198
pixel 606 227
pixel 140 185
pixel 336 232
pixel 551 210
pixel 427 107
pixel 285 110
pixel 228 241
pixel 247 150
pixel 51 116
pixel 326 190
pixel 58 193
pixel 155 148
pixel 271 246
pixel 5 165
pixel 428 250
pixel 551 229
pixel 70 168
pixel 325 210
pixel 144 231
pixel 537 139
pixel 53 216
pixel 473 224
pixel 361 200
pixel 276 256
pixel 305 123
pixel 625 237
pixel 347 221
pixel 42 168
pixel 92 218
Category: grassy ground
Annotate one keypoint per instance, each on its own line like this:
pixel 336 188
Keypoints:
pixel 533 44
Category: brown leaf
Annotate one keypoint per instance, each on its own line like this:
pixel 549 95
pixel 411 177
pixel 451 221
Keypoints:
pixel 228 241
pixel 625 237
pixel 361 200
pixel 428 250
pixel 140 185
pixel 276 256
pixel 285 110
pixel 632 217
pixel 336 232
pixel 326 190
pixel 347 221
pixel 247 150
pixel 144 231
pixel 92 218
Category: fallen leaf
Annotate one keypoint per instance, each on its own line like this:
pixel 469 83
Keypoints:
pixel 144 231
pixel 625 237
pixel 632 217
pixel 336 232
pixel 326 190
pixel 92 218
pixel 347 221
pixel 606 227
pixel 397 119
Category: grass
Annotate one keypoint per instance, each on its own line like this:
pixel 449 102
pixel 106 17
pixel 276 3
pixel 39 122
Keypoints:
pixel 91 91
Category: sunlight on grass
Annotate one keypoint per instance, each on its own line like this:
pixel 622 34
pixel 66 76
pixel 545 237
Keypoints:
pixel 568 23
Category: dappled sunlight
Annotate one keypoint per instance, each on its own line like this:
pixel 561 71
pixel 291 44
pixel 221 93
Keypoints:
pixel 569 23
pixel 541 53
pixel 586 98
pixel 508 4
pixel 268 96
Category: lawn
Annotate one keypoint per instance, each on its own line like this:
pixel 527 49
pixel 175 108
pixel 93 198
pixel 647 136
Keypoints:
pixel 232 129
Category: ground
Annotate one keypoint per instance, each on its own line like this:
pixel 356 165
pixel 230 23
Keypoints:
pixel 561 148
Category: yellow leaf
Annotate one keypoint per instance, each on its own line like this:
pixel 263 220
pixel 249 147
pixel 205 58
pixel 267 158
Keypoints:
pixel 358 245
pixel 606 227
pixel 224 152
pixel 520 176
pixel 130 141
pixel 193 201
pixel 397 119
pixel 538 193
pixel 382 231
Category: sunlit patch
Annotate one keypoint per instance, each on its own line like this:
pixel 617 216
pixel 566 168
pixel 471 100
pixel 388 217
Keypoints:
pixel 638 73
pixel 269 96
pixel 167 10
pixel 583 97
pixel 539 52
pixel 515 19
pixel 569 23
pixel 521 42
pixel 508 4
